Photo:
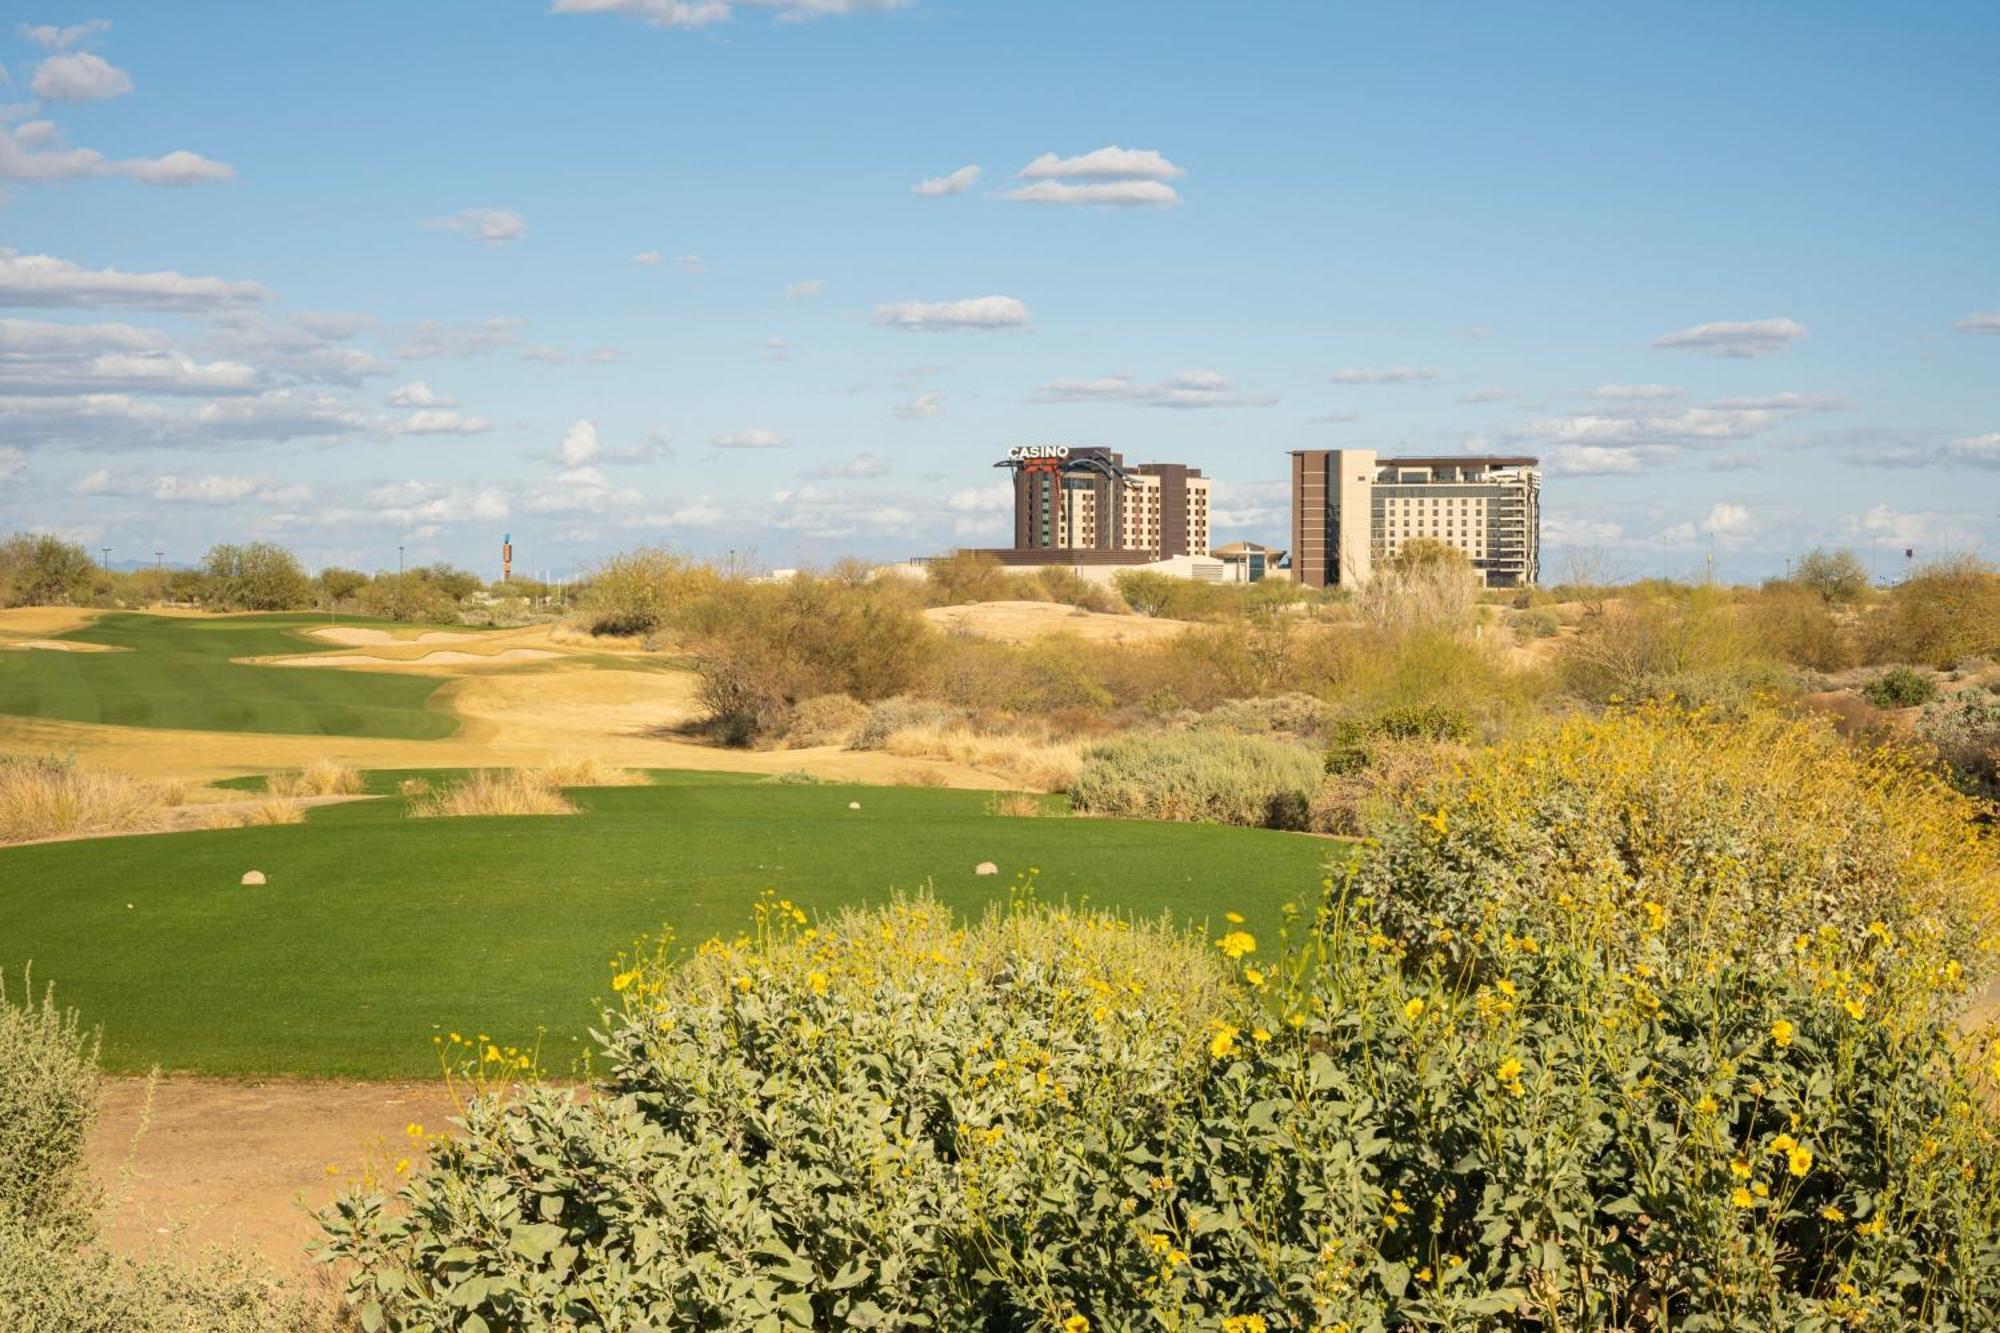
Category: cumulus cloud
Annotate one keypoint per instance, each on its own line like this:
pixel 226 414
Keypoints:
pixel 939 187
pixel 170 488
pixel 33 152
pixel 648 258
pixel 79 76
pixel 979 312
pixel 488 226
pixel 432 340
pixel 1594 460
pixel 439 421
pixel 52 38
pixel 547 355
pixel 1979 450
pixel 1985 321
pixel 853 468
pixel 418 393
pixel 922 407
pixel 1726 524
pixel 1383 375
pixel 1109 163
pixel 701 13
pixel 1190 389
pixel 1744 338
pixel 750 439
pixel 815 510
pixel 580 443
pixel 49 283
pixel 1638 392
pixel 1110 177
pixel 800 290
pixel 581 490
pixel 993 498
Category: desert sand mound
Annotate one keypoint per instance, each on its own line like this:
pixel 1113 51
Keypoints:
pixel 1020 622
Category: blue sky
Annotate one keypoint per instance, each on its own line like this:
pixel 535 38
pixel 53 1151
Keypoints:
pixel 603 273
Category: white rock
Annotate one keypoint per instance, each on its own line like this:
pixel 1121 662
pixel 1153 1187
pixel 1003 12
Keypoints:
pixel 254 877
pixel 986 868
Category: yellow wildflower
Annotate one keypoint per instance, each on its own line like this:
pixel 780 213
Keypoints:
pixel 1799 1161
pixel 1243 1323
pixel 1414 1009
pixel 1223 1042
pixel 1742 1198
pixel 1237 943
pixel 1740 1169
pixel 1509 1070
pixel 1253 976
pixel 1076 1323
pixel 1781 1032
pixel 1832 1213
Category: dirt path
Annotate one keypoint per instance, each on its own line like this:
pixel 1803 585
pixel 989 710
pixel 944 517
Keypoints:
pixel 243 1163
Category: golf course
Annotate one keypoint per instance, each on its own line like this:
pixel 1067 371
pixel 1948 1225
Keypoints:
pixel 375 931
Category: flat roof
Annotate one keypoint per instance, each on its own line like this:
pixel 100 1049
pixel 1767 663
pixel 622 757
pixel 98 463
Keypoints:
pixel 1461 460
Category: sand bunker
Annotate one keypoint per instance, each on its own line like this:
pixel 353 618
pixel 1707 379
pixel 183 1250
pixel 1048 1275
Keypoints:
pixel 1020 622
pixel 61 646
pixel 356 636
pixel 441 657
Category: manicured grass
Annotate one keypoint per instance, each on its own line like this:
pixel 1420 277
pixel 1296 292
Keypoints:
pixel 177 674
pixel 377 931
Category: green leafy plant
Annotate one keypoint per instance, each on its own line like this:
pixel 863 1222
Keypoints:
pixel 1900 687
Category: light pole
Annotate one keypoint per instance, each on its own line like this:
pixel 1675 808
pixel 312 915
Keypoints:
pixel 107 558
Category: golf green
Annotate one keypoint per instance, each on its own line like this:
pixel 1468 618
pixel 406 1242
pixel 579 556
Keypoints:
pixel 376 931
pixel 178 672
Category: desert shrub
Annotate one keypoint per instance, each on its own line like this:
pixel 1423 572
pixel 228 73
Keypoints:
pixel 39 570
pixel 1042 762
pixel 1062 584
pixel 972 576
pixel 1299 716
pixel 1358 788
pixel 1965 729
pixel 1799 625
pixel 1534 623
pixel 1212 777
pixel 794 777
pixel 762 648
pixel 1017 805
pixel 409 598
pixel 1944 612
pixel 638 592
pixel 55 1277
pixel 1427 586
pixel 1354 738
pixel 490 792
pixel 322 777
pixel 824 719
pixel 269 810
pixel 259 576
pixel 902 713
pixel 1900 687
pixel 1766 840
pixel 1835 577
pixel 1665 642
pixel 47 797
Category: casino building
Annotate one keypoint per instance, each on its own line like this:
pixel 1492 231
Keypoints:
pixel 1351 509
pixel 1089 505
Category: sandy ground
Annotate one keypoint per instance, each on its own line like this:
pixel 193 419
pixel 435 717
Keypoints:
pixel 357 635
pixel 438 657
pixel 1018 622
pixel 242 1163
pixel 62 646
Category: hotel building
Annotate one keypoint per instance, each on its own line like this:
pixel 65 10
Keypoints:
pixel 1351 509
pixel 1087 499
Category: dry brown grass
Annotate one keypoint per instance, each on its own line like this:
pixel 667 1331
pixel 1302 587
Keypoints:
pixel 587 770
pixel 322 777
pixel 1045 765
pixel 918 777
pixel 1016 805
pixel 49 798
pixel 276 810
pixel 491 792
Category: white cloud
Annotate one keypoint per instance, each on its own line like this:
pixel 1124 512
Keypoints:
pixel 553 356
pixel 701 13
pixel 79 77
pixel 648 258
pixel 1386 375
pixel 26 337
pixel 997 497
pixel 431 339
pixel 690 263
pixel 1592 460
pixel 1637 392
pixel 1727 524
pixel 50 283
pixel 922 407
pixel 12 463
pixel 1979 450
pixel 1985 321
pixel 488 226
pixel 856 467
pixel 581 490
pixel 820 511
pixel 51 38
pixel 1566 529
pixel 124 372
pixel 417 393
pixel 580 443
pixel 979 312
pixel 939 187
pixel 33 152
pixel 1497 393
pixel 169 488
pixel 1333 418
pixel 777 348
pixel 602 356
pixel 1108 194
pixel 800 290
pixel 1187 390
pixel 439 421
pixel 1786 402
pixel 750 439
pixel 1109 163
pixel 1755 337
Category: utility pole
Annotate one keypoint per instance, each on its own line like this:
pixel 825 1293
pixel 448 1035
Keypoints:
pixel 107 558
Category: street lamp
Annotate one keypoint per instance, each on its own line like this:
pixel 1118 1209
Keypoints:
pixel 107 558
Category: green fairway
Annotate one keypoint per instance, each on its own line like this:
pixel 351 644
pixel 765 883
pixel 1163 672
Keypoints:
pixel 176 673
pixel 377 930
